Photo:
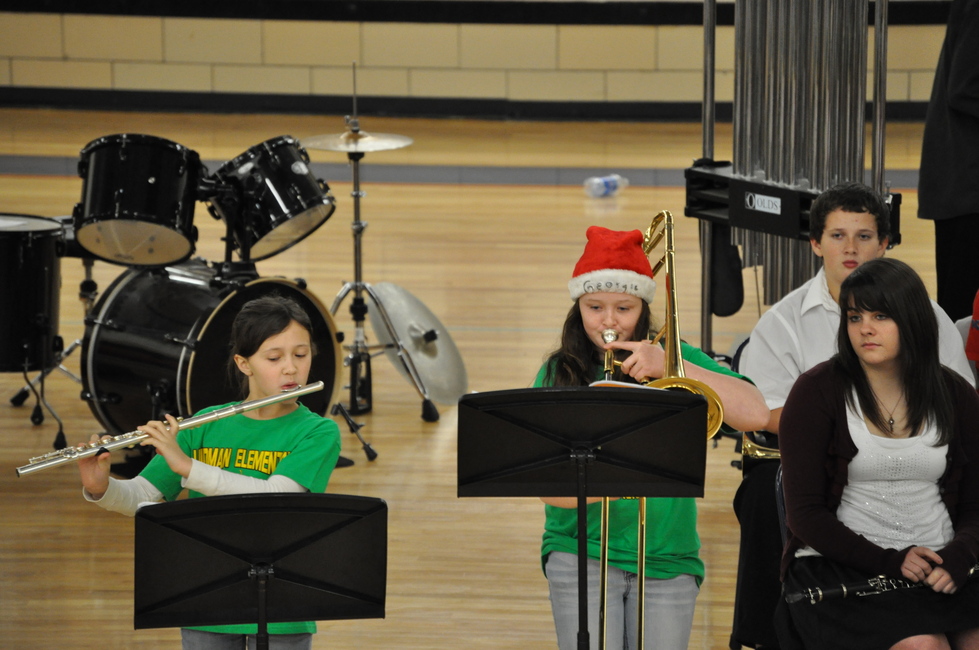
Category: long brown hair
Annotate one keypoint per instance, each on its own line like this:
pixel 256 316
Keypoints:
pixel 577 361
pixel 891 287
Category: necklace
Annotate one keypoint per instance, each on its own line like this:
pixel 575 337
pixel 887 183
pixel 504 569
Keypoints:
pixel 890 414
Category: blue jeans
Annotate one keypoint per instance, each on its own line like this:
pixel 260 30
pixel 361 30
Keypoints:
pixel 669 606
pixel 199 640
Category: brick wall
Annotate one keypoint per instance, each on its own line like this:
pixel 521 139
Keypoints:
pixel 563 63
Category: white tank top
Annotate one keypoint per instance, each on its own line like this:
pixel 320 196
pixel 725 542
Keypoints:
pixel 892 496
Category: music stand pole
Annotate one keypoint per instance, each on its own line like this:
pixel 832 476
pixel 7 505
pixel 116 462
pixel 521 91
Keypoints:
pixel 262 573
pixel 583 458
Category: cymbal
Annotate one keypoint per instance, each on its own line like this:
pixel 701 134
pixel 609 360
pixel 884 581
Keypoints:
pixel 412 330
pixel 357 141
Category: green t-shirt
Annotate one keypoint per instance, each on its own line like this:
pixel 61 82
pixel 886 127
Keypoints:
pixel 672 543
pixel 301 445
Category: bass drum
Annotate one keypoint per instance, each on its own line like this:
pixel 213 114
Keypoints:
pixel 157 342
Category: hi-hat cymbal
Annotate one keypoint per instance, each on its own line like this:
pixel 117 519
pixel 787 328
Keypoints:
pixel 357 142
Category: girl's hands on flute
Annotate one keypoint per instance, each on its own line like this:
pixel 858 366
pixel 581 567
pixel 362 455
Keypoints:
pixel 163 436
pixel 94 470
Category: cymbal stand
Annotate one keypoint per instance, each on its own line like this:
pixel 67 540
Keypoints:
pixel 359 358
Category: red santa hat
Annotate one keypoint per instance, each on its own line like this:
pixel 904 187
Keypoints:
pixel 613 262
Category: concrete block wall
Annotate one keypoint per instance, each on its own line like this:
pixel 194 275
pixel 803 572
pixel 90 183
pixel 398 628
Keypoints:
pixel 545 63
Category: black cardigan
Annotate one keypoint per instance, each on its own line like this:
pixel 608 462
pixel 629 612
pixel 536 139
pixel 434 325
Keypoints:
pixel 816 449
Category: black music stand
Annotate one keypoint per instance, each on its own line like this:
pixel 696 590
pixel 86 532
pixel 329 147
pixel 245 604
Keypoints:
pixel 260 558
pixel 582 442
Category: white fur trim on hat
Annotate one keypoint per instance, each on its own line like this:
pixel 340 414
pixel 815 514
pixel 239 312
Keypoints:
pixel 613 281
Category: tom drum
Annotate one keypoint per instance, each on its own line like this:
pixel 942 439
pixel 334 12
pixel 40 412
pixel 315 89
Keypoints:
pixel 276 200
pixel 138 199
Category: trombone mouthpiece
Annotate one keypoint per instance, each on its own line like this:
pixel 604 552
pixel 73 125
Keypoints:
pixel 609 335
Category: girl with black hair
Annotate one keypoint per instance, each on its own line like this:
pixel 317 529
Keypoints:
pixel 879 459
pixel 282 447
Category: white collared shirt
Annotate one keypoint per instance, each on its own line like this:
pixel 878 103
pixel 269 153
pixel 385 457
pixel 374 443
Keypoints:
pixel 799 332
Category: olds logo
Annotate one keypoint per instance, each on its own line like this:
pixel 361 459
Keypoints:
pixel 763 203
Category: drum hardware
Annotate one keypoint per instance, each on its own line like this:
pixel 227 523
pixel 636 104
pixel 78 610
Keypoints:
pixel 30 281
pixel 338 409
pixel 356 141
pixel 21 396
pixel 417 344
pixel 87 291
pixel 408 332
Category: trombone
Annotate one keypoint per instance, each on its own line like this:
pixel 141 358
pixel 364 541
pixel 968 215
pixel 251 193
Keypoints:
pixel 673 378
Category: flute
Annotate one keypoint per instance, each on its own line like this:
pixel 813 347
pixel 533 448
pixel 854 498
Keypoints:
pixel 70 454
pixel 871 587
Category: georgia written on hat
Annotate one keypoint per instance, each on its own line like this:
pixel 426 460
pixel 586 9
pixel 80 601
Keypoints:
pixel 613 262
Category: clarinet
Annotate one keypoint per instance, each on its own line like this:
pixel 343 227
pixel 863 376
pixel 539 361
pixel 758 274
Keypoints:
pixel 876 585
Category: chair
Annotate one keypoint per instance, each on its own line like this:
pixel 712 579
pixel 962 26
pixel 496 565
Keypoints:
pixel 760 513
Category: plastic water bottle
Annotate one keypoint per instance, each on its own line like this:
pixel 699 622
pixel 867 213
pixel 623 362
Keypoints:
pixel 599 187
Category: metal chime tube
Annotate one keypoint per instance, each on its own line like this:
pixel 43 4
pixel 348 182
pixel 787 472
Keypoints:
pixel 706 227
pixel 880 95
pixel 800 92
pixel 710 29
pixel 772 85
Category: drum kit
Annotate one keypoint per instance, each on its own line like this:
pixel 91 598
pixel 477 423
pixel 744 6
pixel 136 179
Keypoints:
pixel 155 342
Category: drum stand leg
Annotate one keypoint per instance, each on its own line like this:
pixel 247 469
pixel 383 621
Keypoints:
pixel 359 357
pixel 21 396
pixel 37 414
pixel 355 427
pixel 429 411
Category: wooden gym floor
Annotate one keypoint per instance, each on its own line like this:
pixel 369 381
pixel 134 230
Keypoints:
pixel 490 260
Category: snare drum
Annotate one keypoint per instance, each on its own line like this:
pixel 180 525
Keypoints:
pixel 138 198
pixel 157 343
pixel 30 285
pixel 276 202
